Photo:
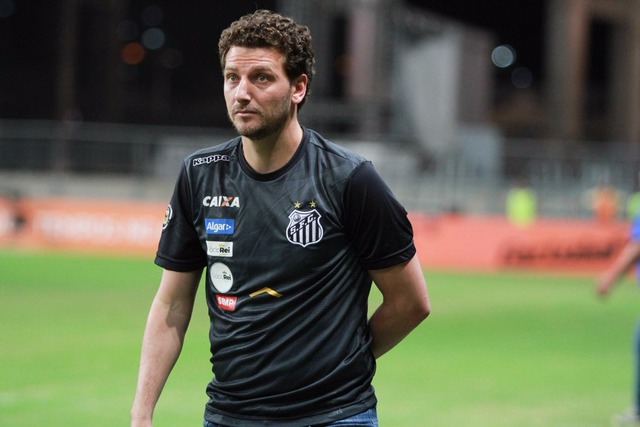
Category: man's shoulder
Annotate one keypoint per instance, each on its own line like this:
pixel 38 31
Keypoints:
pixel 221 153
pixel 330 149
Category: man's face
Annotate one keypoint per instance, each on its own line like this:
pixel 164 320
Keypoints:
pixel 257 91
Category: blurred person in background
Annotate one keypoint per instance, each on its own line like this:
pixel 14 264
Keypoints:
pixel 291 230
pixel 623 263
pixel 633 201
pixel 604 201
pixel 15 220
pixel 521 203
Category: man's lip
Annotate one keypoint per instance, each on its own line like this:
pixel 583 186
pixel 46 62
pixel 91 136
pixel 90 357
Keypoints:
pixel 244 112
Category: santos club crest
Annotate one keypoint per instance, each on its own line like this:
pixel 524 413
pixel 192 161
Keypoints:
pixel 304 227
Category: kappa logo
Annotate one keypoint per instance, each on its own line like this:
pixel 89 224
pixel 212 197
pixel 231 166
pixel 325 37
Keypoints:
pixel 215 158
pixel 304 227
pixel 221 201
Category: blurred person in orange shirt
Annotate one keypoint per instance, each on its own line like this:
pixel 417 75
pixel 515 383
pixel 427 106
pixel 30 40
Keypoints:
pixel 604 201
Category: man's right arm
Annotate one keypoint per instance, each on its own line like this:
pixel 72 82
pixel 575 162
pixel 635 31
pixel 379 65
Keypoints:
pixel 163 338
pixel 624 261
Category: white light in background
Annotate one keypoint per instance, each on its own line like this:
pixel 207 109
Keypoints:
pixel 503 56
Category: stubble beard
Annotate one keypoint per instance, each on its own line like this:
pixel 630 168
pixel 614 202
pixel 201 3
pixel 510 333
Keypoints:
pixel 263 129
pixel 266 125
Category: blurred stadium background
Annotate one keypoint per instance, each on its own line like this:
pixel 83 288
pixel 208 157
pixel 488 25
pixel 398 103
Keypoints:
pixel 452 100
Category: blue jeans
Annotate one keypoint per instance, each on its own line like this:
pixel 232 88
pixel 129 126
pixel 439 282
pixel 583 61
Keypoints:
pixel 364 419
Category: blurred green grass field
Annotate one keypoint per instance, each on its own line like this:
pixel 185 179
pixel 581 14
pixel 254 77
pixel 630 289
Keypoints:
pixel 500 349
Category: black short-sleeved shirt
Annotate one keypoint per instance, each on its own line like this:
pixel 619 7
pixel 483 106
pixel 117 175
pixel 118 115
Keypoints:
pixel 287 256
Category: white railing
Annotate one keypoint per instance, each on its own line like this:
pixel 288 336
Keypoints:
pixel 46 157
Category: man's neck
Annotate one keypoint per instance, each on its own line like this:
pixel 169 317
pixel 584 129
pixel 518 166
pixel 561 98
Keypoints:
pixel 272 153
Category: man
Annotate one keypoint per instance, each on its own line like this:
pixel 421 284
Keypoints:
pixel 292 229
pixel 628 257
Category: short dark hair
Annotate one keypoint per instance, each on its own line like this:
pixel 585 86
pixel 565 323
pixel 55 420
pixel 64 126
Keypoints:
pixel 265 28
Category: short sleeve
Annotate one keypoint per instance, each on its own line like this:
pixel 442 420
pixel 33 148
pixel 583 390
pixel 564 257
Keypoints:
pixel 377 224
pixel 179 248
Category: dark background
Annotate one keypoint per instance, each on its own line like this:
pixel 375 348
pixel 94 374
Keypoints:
pixel 189 92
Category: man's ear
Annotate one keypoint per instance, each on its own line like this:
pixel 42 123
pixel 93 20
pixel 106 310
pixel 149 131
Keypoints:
pixel 299 87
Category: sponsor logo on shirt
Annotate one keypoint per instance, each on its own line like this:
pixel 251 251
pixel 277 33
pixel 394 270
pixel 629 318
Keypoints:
pixel 226 302
pixel 168 214
pixel 221 249
pixel 266 290
pixel 304 227
pixel 221 277
pixel 215 158
pixel 221 201
pixel 219 225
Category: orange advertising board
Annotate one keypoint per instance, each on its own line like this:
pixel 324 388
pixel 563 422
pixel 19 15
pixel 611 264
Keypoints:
pixel 492 242
pixel 443 241
pixel 82 224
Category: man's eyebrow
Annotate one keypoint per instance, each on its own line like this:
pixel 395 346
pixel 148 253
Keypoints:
pixel 257 68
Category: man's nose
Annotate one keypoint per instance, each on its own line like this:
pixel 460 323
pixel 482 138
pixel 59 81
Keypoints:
pixel 242 93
